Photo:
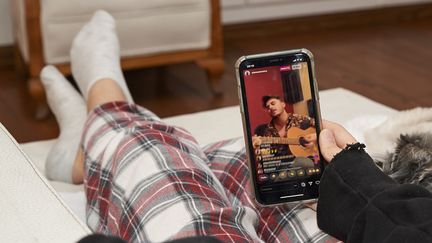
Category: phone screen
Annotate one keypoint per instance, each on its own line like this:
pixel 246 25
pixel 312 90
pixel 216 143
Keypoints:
pixel 282 120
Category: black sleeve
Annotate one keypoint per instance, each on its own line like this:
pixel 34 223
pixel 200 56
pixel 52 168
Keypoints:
pixel 359 203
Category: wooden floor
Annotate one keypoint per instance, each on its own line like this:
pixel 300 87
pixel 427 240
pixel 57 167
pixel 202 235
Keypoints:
pixel 388 61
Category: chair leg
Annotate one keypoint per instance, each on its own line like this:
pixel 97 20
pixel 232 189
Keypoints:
pixel 37 92
pixel 215 69
pixel 34 85
pixel 19 64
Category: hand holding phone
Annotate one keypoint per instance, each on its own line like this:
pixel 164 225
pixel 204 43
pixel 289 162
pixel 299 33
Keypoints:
pixel 334 139
pixel 281 120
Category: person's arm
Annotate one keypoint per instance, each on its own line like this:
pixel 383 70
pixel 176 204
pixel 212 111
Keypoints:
pixel 359 203
pixel 259 131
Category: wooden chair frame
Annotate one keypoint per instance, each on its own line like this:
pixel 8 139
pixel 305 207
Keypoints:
pixel 210 59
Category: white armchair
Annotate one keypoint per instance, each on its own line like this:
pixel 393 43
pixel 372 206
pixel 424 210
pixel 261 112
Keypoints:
pixel 151 33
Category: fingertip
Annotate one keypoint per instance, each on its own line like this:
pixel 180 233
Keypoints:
pixel 328 144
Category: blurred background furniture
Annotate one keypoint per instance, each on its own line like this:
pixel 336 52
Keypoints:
pixel 152 33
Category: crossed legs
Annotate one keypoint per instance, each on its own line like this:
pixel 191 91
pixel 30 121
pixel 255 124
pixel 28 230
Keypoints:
pixel 96 68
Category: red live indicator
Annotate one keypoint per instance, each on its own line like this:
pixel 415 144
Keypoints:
pixel 285 68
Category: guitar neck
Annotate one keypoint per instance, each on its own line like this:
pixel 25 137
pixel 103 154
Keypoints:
pixel 279 140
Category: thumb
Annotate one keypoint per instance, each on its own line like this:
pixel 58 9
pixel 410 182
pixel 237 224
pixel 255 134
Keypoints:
pixel 328 145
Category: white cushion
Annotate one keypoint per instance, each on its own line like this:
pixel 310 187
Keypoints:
pixel 31 211
pixel 144 27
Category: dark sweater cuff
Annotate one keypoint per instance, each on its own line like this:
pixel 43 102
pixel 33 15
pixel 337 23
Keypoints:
pixel 349 182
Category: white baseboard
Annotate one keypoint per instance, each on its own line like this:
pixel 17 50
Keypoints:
pixel 248 12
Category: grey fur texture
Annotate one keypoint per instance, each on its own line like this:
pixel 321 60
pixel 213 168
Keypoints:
pixel 411 161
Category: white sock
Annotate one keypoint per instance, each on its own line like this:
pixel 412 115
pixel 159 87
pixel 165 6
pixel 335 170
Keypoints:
pixel 95 54
pixel 70 111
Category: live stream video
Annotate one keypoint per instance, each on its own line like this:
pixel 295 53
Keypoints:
pixel 281 117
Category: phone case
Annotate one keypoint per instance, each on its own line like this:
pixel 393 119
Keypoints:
pixel 315 90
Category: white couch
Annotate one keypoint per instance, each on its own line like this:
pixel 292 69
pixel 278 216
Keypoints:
pixel 30 209
pixel 33 206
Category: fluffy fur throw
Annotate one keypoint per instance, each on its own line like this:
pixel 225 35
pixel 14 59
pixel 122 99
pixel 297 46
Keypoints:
pixel 402 146
pixel 411 161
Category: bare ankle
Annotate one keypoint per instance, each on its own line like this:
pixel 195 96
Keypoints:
pixel 78 168
pixel 103 91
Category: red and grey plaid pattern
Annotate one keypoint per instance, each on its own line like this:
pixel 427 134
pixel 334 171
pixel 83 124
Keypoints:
pixel 147 181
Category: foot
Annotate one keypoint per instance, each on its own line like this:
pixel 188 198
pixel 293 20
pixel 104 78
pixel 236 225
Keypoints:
pixel 70 111
pixel 95 54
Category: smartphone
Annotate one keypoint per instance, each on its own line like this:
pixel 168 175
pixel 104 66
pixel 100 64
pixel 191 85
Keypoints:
pixel 279 104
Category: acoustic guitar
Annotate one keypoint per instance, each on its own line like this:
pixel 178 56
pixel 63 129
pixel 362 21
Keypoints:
pixel 295 141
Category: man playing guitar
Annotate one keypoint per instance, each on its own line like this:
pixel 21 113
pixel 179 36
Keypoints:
pixel 299 129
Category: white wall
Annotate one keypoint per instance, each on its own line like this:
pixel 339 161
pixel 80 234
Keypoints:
pixel 6 37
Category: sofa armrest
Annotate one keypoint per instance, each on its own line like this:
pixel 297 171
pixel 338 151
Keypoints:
pixel 31 209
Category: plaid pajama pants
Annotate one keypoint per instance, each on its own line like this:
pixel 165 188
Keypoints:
pixel 146 181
